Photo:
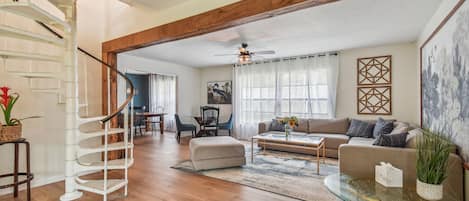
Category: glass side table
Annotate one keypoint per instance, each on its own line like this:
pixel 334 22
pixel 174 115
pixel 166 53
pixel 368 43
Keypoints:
pixel 351 189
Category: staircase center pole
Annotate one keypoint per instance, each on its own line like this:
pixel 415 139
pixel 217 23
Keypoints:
pixel 71 105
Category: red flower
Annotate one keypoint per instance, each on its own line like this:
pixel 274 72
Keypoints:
pixel 5 97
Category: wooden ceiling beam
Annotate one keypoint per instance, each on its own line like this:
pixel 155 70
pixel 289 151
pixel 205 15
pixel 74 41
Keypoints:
pixel 235 14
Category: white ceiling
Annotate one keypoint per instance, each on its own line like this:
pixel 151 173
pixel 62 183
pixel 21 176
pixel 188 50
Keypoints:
pixel 154 4
pixel 342 25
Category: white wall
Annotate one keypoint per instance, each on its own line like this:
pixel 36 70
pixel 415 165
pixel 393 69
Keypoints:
pixel 188 80
pixel 123 19
pixel 405 87
pixel 219 73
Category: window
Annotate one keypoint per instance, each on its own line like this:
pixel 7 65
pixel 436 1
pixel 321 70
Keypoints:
pixel 302 87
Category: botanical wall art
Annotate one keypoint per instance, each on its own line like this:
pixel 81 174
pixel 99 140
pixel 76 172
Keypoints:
pixel 445 78
pixel 374 85
pixel 219 92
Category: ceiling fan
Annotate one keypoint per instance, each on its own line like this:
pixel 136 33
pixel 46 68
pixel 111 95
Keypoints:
pixel 245 56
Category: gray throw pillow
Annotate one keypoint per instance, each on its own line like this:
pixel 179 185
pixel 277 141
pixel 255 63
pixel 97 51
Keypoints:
pixel 382 127
pixel 277 126
pixel 360 129
pixel 391 140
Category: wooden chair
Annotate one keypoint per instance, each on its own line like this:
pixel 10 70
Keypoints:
pixel 209 121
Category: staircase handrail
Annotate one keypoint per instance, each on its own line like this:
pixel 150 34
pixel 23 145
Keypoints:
pixel 110 67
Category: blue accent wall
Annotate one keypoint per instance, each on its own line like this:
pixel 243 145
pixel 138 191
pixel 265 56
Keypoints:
pixel 141 85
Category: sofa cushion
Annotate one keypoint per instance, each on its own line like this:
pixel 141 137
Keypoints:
pixel 411 140
pixel 361 141
pixel 391 140
pixel 332 141
pixel 382 127
pixel 276 125
pixel 334 126
pixel 302 126
pixel 400 127
pixel 360 128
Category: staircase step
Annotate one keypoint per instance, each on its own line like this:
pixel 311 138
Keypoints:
pixel 30 56
pixel 85 120
pixel 62 5
pixel 32 11
pixel 111 165
pixel 97 186
pixel 87 135
pixel 85 150
pixel 25 35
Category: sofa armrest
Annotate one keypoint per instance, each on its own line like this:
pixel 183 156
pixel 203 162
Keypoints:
pixel 263 127
pixel 359 161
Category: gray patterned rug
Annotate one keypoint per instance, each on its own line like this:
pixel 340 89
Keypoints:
pixel 287 174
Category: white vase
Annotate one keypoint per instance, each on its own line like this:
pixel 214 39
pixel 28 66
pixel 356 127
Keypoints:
pixel 429 191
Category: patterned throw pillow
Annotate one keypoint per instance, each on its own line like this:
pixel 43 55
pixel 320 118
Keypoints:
pixel 360 129
pixel 382 127
pixel 391 140
pixel 277 126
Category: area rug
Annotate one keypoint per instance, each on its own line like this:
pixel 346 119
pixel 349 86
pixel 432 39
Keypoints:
pixel 287 174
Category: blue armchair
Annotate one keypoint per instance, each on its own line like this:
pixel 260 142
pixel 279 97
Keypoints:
pixel 227 125
pixel 183 127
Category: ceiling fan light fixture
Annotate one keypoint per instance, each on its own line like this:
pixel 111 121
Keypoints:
pixel 244 59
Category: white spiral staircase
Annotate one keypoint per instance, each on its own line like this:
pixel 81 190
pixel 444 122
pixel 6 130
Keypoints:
pixel 67 91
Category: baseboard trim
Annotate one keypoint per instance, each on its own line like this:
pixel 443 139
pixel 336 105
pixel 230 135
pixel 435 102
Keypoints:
pixel 41 182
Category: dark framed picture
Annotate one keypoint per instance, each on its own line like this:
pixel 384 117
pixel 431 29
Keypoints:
pixel 219 92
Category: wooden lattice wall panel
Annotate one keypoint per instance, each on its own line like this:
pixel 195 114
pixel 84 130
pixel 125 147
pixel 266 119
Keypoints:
pixel 374 100
pixel 374 70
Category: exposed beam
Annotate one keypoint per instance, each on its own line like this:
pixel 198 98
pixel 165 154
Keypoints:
pixel 221 18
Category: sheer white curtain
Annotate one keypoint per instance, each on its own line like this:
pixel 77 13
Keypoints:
pixel 301 86
pixel 163 97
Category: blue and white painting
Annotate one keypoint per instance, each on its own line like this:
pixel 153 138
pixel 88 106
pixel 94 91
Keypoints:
pixel 445 80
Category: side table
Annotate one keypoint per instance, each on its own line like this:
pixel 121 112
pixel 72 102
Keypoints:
pixel 29 176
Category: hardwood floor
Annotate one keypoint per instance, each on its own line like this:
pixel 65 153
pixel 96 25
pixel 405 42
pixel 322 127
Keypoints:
pixel 152 179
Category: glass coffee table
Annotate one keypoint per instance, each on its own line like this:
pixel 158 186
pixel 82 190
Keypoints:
pixel 348 188
pixel 317 145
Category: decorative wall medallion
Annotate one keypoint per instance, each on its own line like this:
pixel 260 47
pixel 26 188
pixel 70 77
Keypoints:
pixel 374 100
pixel 374 70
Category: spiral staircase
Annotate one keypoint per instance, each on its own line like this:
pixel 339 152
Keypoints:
pixel 67 91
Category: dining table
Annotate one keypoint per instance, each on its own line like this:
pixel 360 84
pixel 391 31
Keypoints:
pixel 149 115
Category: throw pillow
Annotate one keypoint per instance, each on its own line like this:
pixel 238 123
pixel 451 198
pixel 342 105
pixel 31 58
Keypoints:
pixel 391 140
pixel 360 129
pixel 411 141
pixel 400 127
pixel 276 125
pixel 382 127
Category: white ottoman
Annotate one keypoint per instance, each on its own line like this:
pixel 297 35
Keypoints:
pixel 216 152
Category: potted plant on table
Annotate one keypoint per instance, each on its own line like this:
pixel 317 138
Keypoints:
pixel 11 130
pixel 433 151
pixel 290 123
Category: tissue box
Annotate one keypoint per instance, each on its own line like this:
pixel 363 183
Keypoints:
pixel 388 175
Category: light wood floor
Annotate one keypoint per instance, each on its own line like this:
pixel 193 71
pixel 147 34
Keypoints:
pixel 152 179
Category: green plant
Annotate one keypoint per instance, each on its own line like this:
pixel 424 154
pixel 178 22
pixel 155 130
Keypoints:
pixel 433 150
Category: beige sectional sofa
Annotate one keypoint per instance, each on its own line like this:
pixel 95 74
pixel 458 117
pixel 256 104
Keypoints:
pixel 332 130
pixel 358 156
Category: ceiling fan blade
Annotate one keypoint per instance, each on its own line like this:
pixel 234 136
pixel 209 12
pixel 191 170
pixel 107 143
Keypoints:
pixel 264 52
pixel 225 55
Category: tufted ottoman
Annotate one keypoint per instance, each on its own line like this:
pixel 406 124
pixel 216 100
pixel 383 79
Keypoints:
pixel 216 152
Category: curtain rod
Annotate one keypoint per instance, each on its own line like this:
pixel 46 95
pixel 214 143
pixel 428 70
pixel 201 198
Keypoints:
pixel 290 58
